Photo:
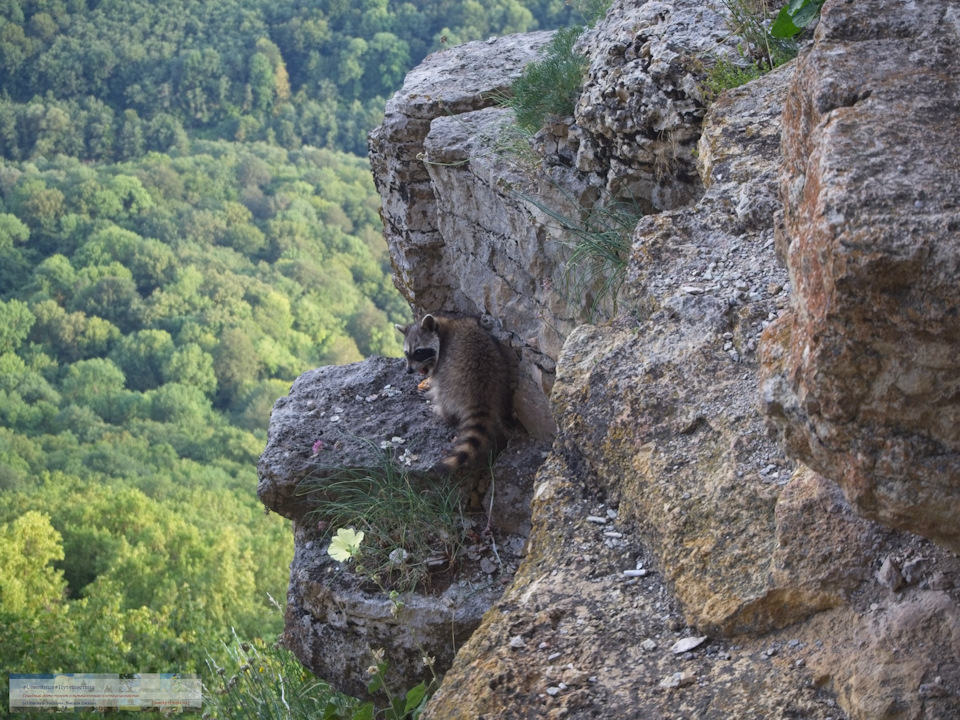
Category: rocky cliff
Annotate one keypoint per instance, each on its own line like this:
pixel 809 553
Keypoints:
pixel 750 504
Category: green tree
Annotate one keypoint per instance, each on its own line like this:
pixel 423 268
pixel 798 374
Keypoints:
pixel 28 548
pixel 15 323
pixel 236 364
pixel 262 84
pixel 189 365
pixel 130 137
pixel 142 356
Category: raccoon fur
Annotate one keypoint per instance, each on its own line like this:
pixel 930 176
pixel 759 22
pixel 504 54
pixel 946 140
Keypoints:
pixel 468 381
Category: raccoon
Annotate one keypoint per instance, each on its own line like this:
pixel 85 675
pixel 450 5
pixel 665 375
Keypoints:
pixel 468 381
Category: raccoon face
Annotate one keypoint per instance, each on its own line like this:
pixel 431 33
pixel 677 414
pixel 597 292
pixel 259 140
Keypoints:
pixel 421 345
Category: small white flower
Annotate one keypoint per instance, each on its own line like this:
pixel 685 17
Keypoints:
pixel 345 545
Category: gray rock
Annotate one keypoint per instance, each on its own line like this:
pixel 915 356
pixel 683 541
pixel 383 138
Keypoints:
pixel 357 417
pixel 861 374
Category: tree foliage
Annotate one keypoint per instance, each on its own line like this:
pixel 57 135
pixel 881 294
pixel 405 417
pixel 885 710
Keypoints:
pixel 161 306
pixel 108 80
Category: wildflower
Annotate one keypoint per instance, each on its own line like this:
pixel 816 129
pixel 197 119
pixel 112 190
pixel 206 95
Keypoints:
pixel 317 447
pixel 345 545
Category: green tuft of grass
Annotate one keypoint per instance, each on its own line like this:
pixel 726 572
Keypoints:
pixel 760 52
pixel 267 682
pixel 726 74
pixel 409 526
pixel 600 240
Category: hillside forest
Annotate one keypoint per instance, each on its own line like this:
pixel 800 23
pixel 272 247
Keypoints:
pixel 187 223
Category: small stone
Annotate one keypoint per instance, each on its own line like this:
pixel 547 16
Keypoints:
pixel 649 645
pixel 677 680
pixel 686 644
pixel 517 642
pixel 596 519
pixel 912 571
pixel 553 690
pixel 635 573
pixel 889 575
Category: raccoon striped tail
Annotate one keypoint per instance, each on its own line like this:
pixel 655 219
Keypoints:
pixel 479 438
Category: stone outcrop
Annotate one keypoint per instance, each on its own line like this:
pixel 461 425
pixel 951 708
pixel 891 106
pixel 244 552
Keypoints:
pixel 862 377
pixel 471 227
pixel 659 417
pixel 639 112
pixel 684 561
pixel 351 419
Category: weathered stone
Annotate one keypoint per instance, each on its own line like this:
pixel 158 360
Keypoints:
pixel 334 621
pixel 482 251
pixel 662 461
pixel 637 398
pixel 658 415
pixel 576 616
pixel 639 113
pixel 356 417
pixel 861 376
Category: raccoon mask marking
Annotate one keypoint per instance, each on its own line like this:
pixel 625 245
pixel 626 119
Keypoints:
pixel 468 380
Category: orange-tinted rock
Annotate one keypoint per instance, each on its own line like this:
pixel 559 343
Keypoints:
pixel 862 377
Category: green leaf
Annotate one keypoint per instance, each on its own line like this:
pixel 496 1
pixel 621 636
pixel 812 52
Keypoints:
pixel 794 17
pixel 415 696
pixel 783 26
pixel 364 712
pixel 807 14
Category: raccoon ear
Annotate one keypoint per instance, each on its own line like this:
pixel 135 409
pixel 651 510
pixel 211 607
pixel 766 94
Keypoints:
pixel 402 329
pixel 429 323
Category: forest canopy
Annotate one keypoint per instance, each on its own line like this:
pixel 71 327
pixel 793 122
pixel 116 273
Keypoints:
pixel 109 79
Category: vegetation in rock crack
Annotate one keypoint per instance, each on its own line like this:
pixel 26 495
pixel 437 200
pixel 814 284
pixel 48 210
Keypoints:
pixel 760 48
pixel 411 527
pixel 600 239
pixel 261 681
pixel 548 88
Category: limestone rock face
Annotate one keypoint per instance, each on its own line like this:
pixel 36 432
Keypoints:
pixel 478 251
pixel 861 376
pixel 472 228
pixel 639 114
pixel 666 511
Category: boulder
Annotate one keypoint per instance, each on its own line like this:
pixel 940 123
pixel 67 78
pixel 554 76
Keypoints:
pixel 861 375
